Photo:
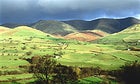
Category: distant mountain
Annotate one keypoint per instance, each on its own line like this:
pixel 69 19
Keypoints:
pixel 53 27
pixel 47 26
pixel 104 24
pixel 66 27
pixel 80 24
pixel 12 25
pixel 130 34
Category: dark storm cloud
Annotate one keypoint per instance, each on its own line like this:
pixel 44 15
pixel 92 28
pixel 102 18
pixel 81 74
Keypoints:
pixel 33 10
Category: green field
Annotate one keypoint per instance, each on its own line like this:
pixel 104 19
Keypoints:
pixel 17 46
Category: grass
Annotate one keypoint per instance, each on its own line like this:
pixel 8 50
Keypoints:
pixel 130 34
pixel 18 76
pixel 108 56
pixel 90 80
pixel 96 80
pixel 17 79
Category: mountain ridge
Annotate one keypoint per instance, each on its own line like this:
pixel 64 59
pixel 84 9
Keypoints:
pixel 108 25
pixel 53 27
pixel 63 28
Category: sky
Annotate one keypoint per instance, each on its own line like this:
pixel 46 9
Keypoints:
pixel 27 11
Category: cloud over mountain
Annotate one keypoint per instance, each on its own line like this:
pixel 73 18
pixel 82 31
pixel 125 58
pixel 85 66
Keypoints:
pixel 32 10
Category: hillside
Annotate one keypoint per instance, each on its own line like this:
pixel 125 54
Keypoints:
pixel 66 27
pixel 3 29
pixel 104 24
pixel 80 24
pixel 132 29
pixel 54 27
pixel 20 45
pixel 129 35
pixel 86 35
pixel 24 31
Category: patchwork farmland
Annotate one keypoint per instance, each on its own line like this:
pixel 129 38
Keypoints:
pixel 18 46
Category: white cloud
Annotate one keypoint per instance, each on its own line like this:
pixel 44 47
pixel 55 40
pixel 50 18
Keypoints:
pixel 138 16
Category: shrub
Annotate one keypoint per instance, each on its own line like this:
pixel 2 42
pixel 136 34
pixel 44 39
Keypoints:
pixel 47 71
pixel 34 47
pixel 129 74
pixel 65 74
pixel 28 53
pixel 23 48
pixel 35 59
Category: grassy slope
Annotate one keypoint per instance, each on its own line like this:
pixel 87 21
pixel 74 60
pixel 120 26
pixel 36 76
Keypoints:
pixel 24 31
pixel 95 55
pixel 130 34
pixel 86 35
pixel 54 27
pixel 3 29
pixel 77 54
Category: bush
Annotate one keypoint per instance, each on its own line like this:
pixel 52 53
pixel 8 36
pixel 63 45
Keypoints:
pixel 28 53
pixel 35 59
pixel 23 48
pixel 34 47
pixel 47 71
pixel 129 74
pixel 64 74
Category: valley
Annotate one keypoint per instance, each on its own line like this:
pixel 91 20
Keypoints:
pixel 20 44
